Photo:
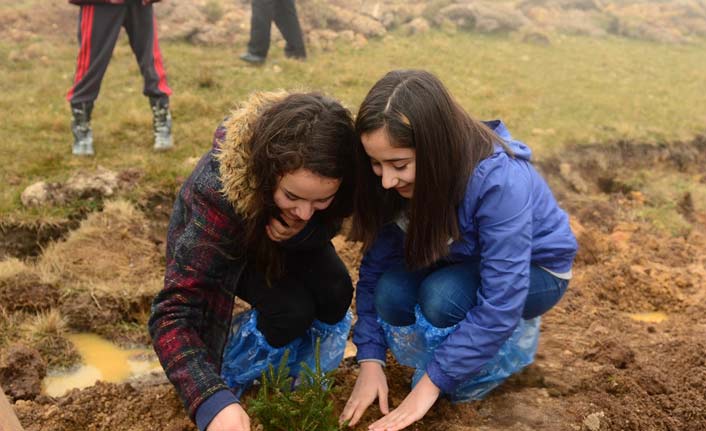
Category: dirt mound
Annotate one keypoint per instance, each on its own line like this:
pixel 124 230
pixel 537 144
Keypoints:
pixel 660 388
pixel 107 406
pixel 21 286
pixel 21 239
pixel 21 372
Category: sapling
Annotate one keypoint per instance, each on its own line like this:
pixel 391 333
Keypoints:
pixel 279 406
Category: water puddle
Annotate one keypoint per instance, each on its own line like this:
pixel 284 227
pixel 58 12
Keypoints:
pixel 651 317
pixel 102 360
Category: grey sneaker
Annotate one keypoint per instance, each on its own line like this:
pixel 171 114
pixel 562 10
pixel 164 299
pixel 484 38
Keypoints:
pixel 162 124
pixel 81 129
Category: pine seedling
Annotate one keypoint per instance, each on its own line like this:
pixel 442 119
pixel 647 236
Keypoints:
pixel 308 408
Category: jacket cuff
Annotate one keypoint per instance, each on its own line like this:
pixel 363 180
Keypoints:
pixel 371 351
pixel 439 378
pixel 377 361
pixel 212 406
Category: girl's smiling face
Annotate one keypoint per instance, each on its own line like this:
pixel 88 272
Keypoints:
pixel 300 193
pixel 394 165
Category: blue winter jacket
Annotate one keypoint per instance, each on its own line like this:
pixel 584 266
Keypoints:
pixel 508 219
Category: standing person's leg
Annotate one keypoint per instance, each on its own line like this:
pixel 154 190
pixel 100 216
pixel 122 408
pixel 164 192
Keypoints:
pixel 260 27
pixel 287 22
pixel 141 26
pixel 98 29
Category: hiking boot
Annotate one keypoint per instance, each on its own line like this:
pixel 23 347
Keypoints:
pixel 162 124
pixel 81 129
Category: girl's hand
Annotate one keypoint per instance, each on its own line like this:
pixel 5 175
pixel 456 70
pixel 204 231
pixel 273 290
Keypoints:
pixel 278 231
pixel 371 384
pixel 413 408
pixel 231 418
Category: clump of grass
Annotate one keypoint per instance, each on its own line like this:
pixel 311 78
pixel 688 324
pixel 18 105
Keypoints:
pixel 46 332
pixel 45 325
pixel 10 324
pixel 11 267
pixel 110 245
pixel 309 408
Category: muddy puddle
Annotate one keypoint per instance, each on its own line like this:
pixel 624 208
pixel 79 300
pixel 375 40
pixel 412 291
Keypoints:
pixel 101 360
pixel 625 349
pixel 649 317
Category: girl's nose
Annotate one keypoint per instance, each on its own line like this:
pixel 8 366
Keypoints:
pixel 304 211
pixel 389 179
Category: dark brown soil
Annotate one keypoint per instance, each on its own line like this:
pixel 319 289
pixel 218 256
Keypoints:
pixel 597 368
pixel 27 240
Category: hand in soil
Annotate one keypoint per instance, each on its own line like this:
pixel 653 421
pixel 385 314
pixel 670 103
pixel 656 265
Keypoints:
pixel 231 418
pixel 370 384
pixel 412 408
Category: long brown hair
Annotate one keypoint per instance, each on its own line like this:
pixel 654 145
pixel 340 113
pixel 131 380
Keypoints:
pixel 302 131
pixel 416 111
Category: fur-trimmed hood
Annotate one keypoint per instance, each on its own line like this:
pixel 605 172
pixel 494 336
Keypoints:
pixel 233 155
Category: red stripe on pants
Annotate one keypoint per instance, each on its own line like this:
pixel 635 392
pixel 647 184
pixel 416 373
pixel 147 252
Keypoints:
pixel 158 65
pixel 84 54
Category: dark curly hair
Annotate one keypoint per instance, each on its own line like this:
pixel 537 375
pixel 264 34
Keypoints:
pixel 302 131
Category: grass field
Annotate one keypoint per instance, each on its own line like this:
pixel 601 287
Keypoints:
pixel 576 90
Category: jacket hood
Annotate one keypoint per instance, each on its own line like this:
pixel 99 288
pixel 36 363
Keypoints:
pixel 520 150
pixel 233 153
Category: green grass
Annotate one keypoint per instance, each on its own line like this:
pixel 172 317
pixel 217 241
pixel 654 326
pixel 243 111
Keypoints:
pixel 577 90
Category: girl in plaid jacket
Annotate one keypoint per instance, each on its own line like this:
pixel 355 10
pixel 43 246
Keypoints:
pixel 254 220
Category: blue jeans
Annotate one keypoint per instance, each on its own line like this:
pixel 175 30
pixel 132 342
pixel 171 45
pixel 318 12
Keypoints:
pixel 445 294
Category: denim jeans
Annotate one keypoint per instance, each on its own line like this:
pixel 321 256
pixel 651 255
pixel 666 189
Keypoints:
pixel 446 293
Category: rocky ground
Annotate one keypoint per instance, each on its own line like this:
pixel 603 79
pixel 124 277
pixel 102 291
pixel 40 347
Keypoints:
pixel 325 22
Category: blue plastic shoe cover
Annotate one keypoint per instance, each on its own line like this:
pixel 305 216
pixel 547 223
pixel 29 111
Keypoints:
pixel 414 346
pixel 515 354
pixel 247 354
pixel 333 345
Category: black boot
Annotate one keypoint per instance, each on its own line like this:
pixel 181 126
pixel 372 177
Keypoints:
pixel 81 129
pixel 161 123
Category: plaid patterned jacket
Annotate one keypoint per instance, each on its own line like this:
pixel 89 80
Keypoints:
pixel 191 316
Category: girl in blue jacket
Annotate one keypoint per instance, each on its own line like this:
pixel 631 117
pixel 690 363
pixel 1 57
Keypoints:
pixel 465 248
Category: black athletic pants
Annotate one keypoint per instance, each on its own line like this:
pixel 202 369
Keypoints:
pixel 315 285
pixel 98 29
pixel 284 14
